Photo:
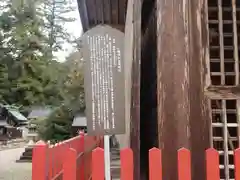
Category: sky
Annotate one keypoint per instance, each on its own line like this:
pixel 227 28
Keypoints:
pixel 75 28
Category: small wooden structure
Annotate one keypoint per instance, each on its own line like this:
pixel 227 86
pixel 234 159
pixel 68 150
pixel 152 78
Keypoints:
pixel 79 124
pixel 36 113
pixel 39 113
pixel 10 121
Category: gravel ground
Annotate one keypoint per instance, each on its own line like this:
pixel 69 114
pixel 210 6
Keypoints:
pixel 12 145
pixel 10 170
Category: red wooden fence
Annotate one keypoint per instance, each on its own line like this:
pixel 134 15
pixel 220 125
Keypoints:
pixel 69 160
pixel 73 161
pixel 155 165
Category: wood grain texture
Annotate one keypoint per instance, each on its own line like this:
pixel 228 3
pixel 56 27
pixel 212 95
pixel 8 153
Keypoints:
pixel 135 102
pixel 183 116
pixel 94 12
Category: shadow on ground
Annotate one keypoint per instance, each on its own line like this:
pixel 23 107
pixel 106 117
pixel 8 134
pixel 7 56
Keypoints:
pixel 10 170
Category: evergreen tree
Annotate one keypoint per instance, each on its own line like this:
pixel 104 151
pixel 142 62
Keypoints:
pixel 24 61
pixel 31 31
pixel 56 15
pixel 58 125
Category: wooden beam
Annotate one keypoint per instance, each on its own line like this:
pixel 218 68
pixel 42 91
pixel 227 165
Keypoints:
pixel 107 11
pixel 120 27
pixel 235 42
pixel 225 140
pixel 114 11
pixel 220 29
pixel 122 11
pixel 200 117
pixel 83 14
pixel 135 104
pixel 205 32
pixel 223 92
pixel 99 12
pixel 238 119
pixel 172 82
pixel 183 114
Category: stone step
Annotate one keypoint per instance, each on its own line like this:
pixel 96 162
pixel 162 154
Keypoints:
pixel 26 155
pixel 115 154
pixel 28 148
pixel 115 164
pixel 115 172
pixel 23 161
pixel 115 158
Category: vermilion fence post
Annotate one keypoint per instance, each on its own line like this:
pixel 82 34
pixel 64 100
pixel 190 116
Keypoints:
pixel 98 164
pixel 39 161
pixel 70 165
pixel 212 164
pixel 51 162
pixel 81 150
pixel 184 164
pixel 155 164
pixel 58 155
pixel 126 156
pixel 237 163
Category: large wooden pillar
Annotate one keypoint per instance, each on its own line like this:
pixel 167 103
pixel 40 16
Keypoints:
pixel 183 118
pixel 135 91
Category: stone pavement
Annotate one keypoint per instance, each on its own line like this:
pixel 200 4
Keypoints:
pixel 16 143
pixel 115 163
pixel 10 170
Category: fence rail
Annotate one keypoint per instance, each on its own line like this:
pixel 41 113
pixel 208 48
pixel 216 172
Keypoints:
pixel 67 160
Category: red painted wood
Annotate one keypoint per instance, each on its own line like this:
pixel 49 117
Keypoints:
pixel 94 162
pixel 81 150
pixel 184 164
pixel 39 161
pixel 50 159
pixel 237 163
pixel 98 164
pixel 58 158
pixel 212 164
pixel 54 158
pixel 70 165
pixel 155 164
pixel 126 156
pixel 62 150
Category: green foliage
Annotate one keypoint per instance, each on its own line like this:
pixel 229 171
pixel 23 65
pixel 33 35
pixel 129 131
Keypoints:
pixel 23 78
pixel 55 15
pixel 58 126
pixel 31 31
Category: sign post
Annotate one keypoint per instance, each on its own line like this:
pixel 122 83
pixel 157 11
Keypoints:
pixel 104 85
pixel 107 158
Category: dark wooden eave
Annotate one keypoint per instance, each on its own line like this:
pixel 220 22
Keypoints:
pixel 110 12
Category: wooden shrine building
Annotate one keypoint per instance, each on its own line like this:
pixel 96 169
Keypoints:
pixel 182 77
